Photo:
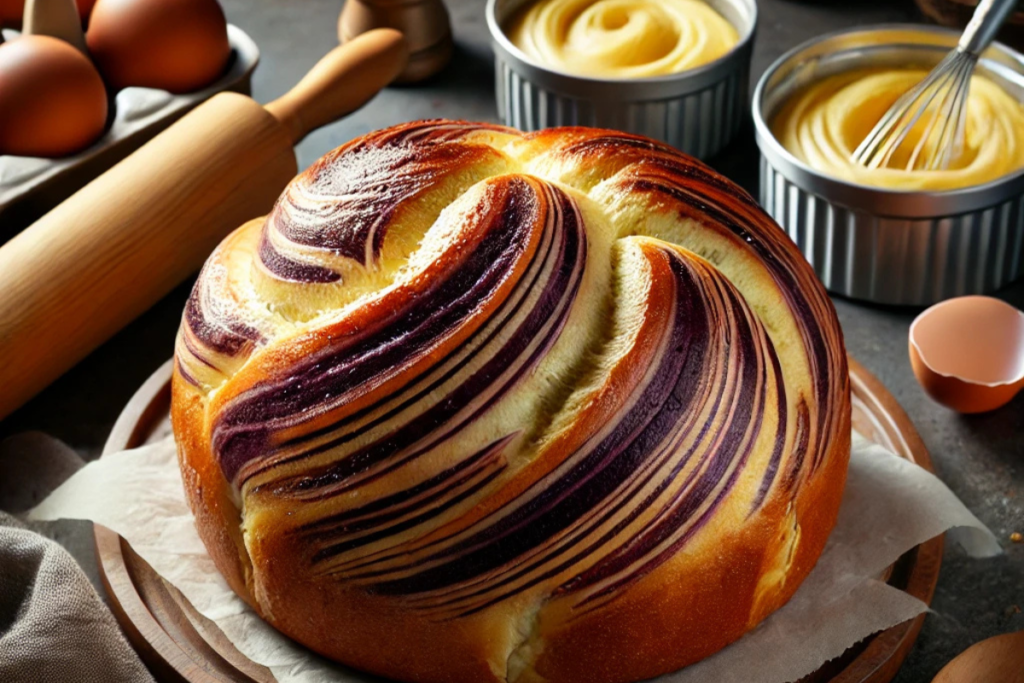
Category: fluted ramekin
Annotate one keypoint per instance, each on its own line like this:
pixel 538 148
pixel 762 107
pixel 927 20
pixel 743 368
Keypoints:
pixel 890 246
pixel 697 111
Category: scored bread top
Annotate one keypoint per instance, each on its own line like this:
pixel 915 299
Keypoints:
pixel 462 375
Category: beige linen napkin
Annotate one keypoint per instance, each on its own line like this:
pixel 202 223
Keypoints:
pixel 53 625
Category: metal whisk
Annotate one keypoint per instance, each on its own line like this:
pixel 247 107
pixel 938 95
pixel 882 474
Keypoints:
pixel 942 96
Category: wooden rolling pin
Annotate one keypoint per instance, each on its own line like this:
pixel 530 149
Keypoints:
pixel 117 246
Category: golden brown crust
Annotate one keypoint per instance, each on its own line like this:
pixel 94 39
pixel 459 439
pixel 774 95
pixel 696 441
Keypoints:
pixel 565 406
pixel 218 519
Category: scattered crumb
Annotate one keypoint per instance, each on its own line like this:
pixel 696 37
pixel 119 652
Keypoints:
pixel 1011 610
pixel 1016 537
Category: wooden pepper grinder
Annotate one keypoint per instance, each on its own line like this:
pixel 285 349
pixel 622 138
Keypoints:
pixel 423 22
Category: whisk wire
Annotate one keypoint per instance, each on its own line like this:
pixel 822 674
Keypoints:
pixel 889 133
pixel 942 95
pixel 954 90
pixel 925 97
pixel 950 140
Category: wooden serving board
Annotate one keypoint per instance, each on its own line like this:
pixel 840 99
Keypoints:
pixel 179 644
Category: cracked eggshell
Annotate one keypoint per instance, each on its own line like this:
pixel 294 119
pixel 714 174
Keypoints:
pixel 968 353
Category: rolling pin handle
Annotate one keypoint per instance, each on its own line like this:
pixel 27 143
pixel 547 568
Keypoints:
pixel 344 80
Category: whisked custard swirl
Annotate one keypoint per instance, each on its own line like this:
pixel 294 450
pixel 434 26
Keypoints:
pixel 824 123
pixel 622 38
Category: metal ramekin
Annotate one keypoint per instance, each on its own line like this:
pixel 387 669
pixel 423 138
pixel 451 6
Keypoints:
pixel 697 111
pixel 886 246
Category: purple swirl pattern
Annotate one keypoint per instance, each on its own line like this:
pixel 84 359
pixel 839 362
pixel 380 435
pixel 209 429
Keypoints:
pixel 715 359
pixel 353 193
pixel 523 328
pixel 464 367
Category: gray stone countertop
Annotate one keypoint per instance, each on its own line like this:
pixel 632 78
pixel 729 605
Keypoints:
pixel 980 457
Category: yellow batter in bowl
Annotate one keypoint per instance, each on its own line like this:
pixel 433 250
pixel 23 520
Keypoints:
pixel 824 124
pixel 619 39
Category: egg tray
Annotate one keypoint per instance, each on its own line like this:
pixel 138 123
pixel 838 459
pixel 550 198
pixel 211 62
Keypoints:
pixel 31 186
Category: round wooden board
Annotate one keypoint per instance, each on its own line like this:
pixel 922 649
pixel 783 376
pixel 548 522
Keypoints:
pixel 179 644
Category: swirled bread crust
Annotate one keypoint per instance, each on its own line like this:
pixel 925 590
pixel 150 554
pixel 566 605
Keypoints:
pixel 471 405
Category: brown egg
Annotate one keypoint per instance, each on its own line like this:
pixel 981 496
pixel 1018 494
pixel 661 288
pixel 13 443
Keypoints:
pixel 175 45
pixel 52 100
pixel 968 353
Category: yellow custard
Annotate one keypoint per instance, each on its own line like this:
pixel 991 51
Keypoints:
pixel 622 38
pixel 824 124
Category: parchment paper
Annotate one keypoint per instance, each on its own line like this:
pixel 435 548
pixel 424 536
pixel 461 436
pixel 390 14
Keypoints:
pixel 890 505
